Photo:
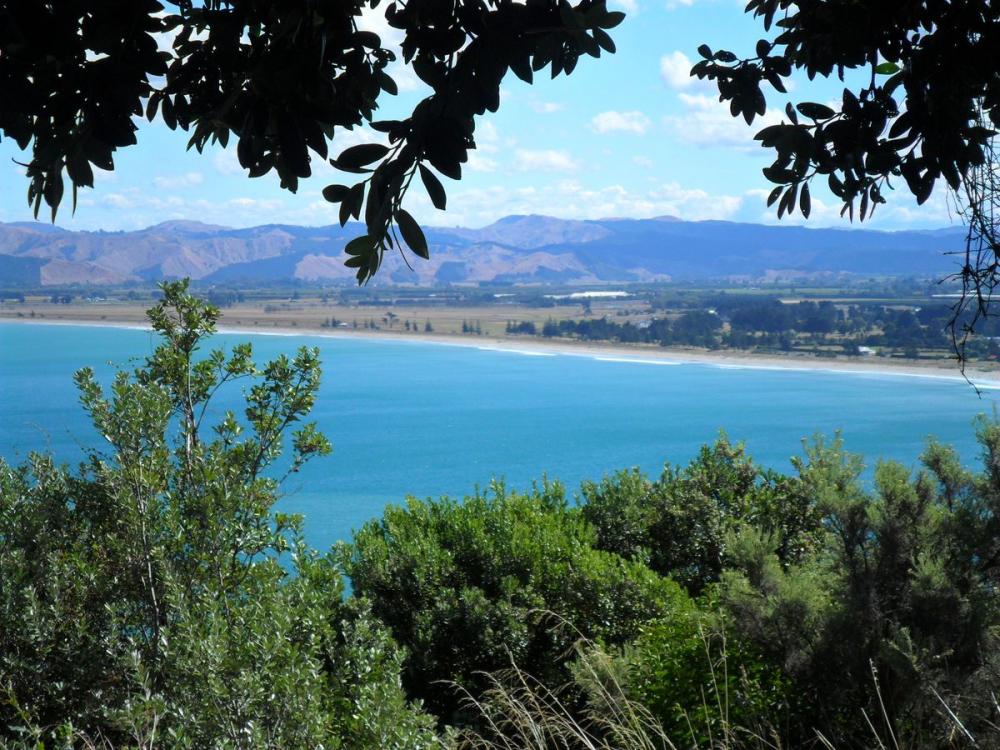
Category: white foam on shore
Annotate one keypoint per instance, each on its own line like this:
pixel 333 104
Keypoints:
pixel 525 352
pixel 872 374
pixel 631 360
pixel 245 331
pixel 987 385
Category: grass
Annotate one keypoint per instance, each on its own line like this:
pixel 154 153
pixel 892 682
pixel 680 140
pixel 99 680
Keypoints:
pixel 517 712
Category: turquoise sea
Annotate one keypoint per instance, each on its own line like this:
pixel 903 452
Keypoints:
pixel 430 419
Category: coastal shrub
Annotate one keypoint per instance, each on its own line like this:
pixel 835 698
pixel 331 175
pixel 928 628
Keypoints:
pixel 703 684
pixel 868 596
pixel 152 598
pixel 896 614
pixel 682 524
pixel 498 578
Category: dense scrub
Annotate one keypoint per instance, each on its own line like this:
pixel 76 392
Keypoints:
pixel 500 578
pixel 151 597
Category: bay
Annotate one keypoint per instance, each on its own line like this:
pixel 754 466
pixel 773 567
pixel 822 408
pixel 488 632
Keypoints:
pixel 413 417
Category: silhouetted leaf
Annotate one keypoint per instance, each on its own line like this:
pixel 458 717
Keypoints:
pixel 434 188
pixel 335 193
pixel 360 245
pixel 413 235
pixel 360 156
pixel 612 19
pixel 815 111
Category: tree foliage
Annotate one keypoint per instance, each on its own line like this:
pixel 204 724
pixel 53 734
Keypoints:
pixel 837 597
pixel 152 596
pixel 925 110
pixel 921 104
pixel 500 578
pixel 281 79
pixel 685 523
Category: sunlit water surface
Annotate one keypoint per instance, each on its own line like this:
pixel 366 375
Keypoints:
pixel 431 419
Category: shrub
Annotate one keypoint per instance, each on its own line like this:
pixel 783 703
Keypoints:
pixel 470 587
pixel 896 614
pixel 148 598
pixel 681 525
pixel 702 684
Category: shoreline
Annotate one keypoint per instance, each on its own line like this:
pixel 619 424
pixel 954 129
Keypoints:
pixel 603 351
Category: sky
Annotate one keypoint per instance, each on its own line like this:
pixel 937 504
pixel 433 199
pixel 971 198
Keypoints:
pixel 626 135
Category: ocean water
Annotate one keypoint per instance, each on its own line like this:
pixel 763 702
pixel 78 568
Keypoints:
pixel 431 419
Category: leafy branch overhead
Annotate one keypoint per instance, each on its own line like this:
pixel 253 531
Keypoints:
pixel 282 79
pixel 925 110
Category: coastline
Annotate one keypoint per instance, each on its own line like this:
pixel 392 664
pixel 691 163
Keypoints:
pixel 613 352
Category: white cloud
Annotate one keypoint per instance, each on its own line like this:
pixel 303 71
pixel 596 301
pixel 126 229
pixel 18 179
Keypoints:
pixel 479 163
pixel 572 200
pixel 629 6
pixel 176 182
pixel 708 122
pixel 544 160
pixel 642 161
pixel 547 108
pixel 116 200
pixel 344 139
pixel 675 69
pixel 373 19
pixel 487 137
pixel 267 204
pixel 406 80
pixel 624 122
pixel 226 162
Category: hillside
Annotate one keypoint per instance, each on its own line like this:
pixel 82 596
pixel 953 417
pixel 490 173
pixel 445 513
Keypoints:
pixel 519 249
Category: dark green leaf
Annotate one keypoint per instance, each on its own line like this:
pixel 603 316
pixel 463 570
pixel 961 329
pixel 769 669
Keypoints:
pixel 335 193
pixel 413 235
pixel 360 245
pixel 604 40
pixel 612 19
pixel 360 156
pixel 388 85
pixel 434 188
pixel 815 111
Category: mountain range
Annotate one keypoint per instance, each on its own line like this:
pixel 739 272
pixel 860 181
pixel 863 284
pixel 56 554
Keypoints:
pixel 515 249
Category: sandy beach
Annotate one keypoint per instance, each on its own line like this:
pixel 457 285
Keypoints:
pixel 987 375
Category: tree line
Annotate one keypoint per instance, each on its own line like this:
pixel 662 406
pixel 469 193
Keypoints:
pixel 770 324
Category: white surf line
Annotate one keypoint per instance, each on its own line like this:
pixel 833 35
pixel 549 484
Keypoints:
pixel 988 385
pixel 875 374
pixel 635 361
pixel 525 352
pixel 245 332
pixel 77 324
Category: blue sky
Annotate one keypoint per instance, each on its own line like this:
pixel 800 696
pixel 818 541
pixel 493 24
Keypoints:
pixel 627 135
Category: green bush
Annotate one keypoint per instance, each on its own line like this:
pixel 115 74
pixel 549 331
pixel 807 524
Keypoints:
pixel 152 598
pixel 703 685
pixel 875 599
pixel 681 525
pixel 496 579
pixel 899 608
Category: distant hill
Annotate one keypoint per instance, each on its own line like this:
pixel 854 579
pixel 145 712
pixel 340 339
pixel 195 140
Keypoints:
pixel 520 249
